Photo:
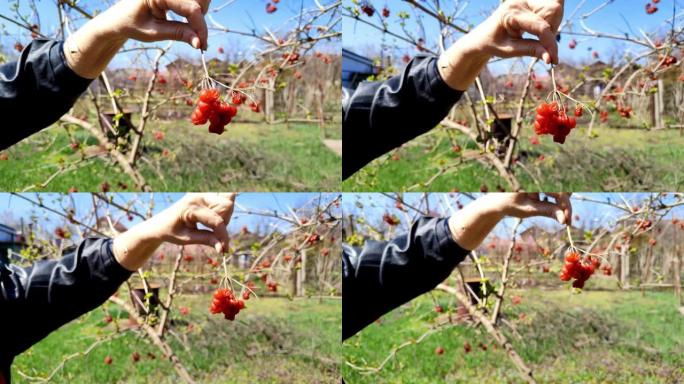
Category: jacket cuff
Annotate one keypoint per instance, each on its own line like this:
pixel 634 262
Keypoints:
pixel 63 73
pixel 447 244
pixel 110 265
pixel 440 89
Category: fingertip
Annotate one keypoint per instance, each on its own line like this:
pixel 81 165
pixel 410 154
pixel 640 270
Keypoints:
pixel 560 216
pixel 195 42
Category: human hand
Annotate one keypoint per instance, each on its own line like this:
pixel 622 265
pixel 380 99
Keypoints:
pixel 146 20
pixel 524 205
pixel 472 224
pixel 178 224
pixel 90 49
pixel 501 35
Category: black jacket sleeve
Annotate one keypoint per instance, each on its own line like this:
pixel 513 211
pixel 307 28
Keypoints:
pixel 36 90
pixel 36 300
pixel 386 274
pixel 380 116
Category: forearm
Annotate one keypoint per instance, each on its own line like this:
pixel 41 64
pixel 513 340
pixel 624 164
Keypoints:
pixel 462 62
pixel 473 223
pixel 134 247
pixel 90 49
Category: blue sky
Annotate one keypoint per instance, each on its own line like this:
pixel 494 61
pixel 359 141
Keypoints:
pixel 619 17
pixel 18 208
pixel 591 215
pixel 242 15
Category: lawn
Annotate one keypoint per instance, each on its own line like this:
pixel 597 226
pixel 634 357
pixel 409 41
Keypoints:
pixel 248 157
pixel 602 336
pixel 272 341
pixel 614 160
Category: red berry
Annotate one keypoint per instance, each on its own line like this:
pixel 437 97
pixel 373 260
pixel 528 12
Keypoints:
pixel 135 357
pixel 238 98
pixel 270 8
pixel 578 110
pixel 198 117
pixel 209 95
pixel 439 351
pixel 367 9
pixel 108 360
pixel 439 309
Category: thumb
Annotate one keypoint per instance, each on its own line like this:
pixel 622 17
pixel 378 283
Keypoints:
pixel 529 47
pixel 552 210
pixel 178 31
pixel 204 237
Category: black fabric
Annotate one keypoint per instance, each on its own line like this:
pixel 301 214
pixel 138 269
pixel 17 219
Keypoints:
pixel 36 300
pixel 36 90
pixel 383 275
pixel 380 116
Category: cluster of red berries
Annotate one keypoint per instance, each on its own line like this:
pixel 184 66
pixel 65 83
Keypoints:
pixel 667 60
pixel 551 120
pixel 644 224
pixel 391 220
pixel 650 8
pixel 226 303
pixel 625 111
pixel 211 108
pixel 581 270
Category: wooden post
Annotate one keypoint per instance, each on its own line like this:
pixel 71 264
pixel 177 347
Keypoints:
pixel 677 270
pixel 269 107
pixel 624 267
pixel 301 273
pixel 658 106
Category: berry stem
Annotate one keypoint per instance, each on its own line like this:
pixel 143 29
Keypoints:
pixel 204 65
pixel 572 244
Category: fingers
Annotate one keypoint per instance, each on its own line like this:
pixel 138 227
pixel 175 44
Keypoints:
pixel 549 209
pixel 176 30
pixel 532 23
pixel 563 201
pixel 209 218
pixel 193 11
pixel 203 237
pixel 525 47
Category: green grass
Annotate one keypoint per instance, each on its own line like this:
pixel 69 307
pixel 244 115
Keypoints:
pixel 615 160
pixel 248 157
pixel 594 337
pixel 272 341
